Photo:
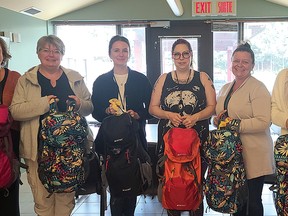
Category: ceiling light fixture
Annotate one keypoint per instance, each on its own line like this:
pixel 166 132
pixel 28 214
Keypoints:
pixel 176 7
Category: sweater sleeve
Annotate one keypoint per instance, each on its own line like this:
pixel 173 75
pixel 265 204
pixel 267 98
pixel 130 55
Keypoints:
pixel 99 99
pixel 279 112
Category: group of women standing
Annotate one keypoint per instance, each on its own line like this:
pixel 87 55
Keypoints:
pixel 183 96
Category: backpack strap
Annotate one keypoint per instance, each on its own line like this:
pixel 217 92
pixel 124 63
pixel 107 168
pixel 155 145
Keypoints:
pixel 71 104
pixel 193 172
pixel 53 108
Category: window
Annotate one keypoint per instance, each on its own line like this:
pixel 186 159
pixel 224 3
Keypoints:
pixel 136 37
pixel 87 49
pixel 270 46
pixel 166 58
pixel 225 40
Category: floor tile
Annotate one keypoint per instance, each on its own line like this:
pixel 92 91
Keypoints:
pixel 89 205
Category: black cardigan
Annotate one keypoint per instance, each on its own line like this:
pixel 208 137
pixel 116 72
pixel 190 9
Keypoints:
pixel 138 91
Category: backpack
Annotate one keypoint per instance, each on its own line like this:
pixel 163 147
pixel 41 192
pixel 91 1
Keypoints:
pixel 280 189
pixel 225 186
pixel 180 187
pixel 124 156
pixel 9 164
pixel 61 149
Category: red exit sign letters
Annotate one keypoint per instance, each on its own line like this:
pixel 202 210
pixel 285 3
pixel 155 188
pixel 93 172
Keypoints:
pixel 213 8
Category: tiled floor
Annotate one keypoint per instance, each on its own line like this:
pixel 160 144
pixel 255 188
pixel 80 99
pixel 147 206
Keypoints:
pixel 89 205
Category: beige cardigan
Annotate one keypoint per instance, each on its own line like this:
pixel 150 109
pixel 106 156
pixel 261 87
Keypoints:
pixel 279 113
pixel 251 103
pixel 27 106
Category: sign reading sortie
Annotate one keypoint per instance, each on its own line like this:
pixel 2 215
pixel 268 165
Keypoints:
pixel 213 7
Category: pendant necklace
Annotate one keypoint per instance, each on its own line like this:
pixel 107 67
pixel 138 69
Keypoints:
pixel 181 104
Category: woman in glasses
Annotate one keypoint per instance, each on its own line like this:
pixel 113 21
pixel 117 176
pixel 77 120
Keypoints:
pixel 30 104
pixel 183 97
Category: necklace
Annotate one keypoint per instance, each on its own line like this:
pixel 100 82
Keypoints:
pixel 181 104
pixel 188 78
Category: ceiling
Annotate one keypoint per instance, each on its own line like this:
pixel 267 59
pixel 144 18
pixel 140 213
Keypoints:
pixel 61 7
pixel 49 8
pixel 280 2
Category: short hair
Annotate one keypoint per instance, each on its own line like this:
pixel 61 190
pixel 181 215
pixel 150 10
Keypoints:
pixel 5 52
pixel 245 47
pixel 118 38
pixel 51 39
pixel 181 41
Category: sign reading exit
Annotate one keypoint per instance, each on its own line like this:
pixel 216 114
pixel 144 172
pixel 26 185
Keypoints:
pixel 213 7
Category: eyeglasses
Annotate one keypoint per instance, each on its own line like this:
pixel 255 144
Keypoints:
pixel 185 55
pixel 47 51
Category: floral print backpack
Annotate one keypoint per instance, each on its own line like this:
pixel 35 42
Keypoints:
pixel 61 149
pixel 280 189
pixel 225 186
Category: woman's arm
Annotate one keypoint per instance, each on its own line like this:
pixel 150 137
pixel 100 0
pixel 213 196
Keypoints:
pixel 279 109
pixel 23 108
pixel 190 120
pixel 154 107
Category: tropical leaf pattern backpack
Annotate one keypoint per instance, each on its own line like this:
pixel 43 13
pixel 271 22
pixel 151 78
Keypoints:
pixel 281 187
pixel 61 149
pixel 225 186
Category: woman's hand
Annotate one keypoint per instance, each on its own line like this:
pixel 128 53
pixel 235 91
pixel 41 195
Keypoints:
pixel 133 114
pixel 221 116
pixel 189 120
pixel 175 118
pixel 77 100
pixel 111 111
pixel 51 97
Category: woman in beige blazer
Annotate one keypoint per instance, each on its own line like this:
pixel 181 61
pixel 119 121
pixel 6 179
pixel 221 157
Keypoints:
pixel 249 102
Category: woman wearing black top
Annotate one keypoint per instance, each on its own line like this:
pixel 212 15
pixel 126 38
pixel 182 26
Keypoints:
pixel 183 97
pixel 133 89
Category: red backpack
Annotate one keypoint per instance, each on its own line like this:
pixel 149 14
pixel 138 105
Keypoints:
pixel 181 182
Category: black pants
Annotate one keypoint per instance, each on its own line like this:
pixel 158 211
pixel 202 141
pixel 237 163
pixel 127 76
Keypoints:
pixel 9 203
pixel 124 206
pixel 255 206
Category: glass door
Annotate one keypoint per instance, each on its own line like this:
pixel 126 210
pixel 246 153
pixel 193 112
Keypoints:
pixel 166 51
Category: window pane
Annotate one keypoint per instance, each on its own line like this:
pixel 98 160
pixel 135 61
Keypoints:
pixel 87 49
pixel 166 55
pixel 136 37
pixel 270 46
pixel 224 43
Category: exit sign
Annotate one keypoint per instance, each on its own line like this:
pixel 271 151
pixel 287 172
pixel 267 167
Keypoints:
pixel 213 8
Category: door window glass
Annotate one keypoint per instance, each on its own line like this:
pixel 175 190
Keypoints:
pixel 136 37
pixel 166 49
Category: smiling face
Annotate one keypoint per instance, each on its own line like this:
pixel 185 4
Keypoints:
pixel 182 57
pixel 50 56
pixel 242 65
pixel 119 53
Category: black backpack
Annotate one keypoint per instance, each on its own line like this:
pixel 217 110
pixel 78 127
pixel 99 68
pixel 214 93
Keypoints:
pixel 123 155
